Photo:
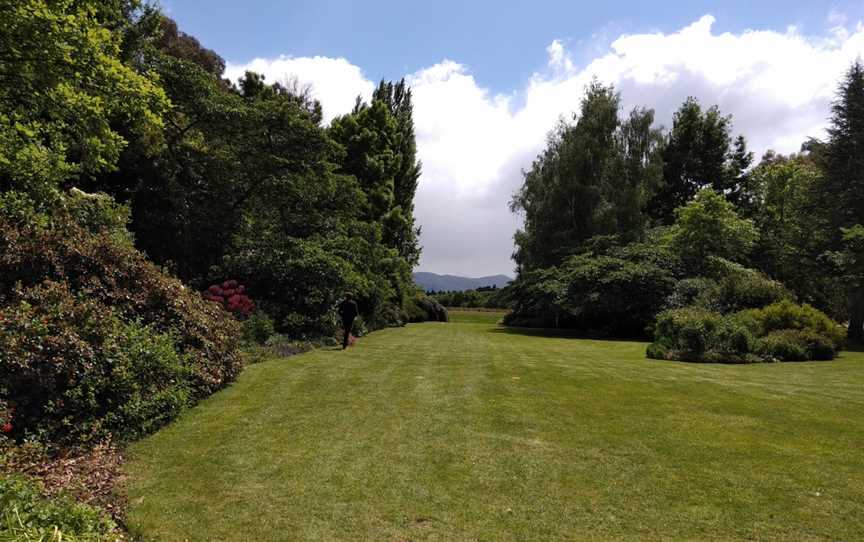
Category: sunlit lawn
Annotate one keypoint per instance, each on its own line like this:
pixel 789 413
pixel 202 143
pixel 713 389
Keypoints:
pixel 464 431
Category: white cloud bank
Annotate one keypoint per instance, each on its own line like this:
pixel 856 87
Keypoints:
pixel 474 144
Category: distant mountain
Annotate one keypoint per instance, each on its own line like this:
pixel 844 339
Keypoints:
pixel 453 283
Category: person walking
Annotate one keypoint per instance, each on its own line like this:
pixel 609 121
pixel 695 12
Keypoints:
pixel 348 312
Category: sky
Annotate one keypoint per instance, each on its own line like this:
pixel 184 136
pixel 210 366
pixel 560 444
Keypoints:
pixel 491 79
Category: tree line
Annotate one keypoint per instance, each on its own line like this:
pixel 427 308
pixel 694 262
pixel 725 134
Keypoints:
pixel 155 216
pixel 617 212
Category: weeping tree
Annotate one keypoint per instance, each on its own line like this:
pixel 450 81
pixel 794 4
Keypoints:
pixel 594 177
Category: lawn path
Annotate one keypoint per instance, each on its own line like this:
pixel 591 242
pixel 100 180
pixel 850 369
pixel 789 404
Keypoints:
pixel 466 431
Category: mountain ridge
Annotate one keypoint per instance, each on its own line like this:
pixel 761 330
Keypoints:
pixel 454 283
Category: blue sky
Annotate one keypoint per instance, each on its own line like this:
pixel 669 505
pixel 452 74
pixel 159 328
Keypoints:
pixel 502 42
pixel 490 80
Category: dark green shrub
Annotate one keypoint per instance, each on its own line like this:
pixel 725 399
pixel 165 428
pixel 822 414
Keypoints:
pixel 423 308
pixel 729 287
pixel 782 332
pixel 616 294
pixel 796 345
pixel 79 303
pixel 740 288
pixel 101 269
pixel 76 372
pixel 257 328
pixel 788 315
pixel 656 350
pixel 26 515
pixel 694 334
pixel 686 333
pixel 784 345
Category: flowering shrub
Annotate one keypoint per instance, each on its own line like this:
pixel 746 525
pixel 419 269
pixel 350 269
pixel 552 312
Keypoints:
pixel 6 415
pixel 76 372
pixel 95 338
pixel 232 297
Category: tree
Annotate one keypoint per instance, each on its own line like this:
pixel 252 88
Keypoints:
pixel 699 153
pixel 370 136
pixel 709 226
pixel 63 87
pixel 793 234
pixel 593 178
pixel 400 230
pixel 851 267
pixel 841 193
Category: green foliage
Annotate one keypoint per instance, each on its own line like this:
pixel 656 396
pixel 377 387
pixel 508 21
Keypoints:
pixel 594 177
pixel 788 315
pixel 839 193
pixel 63 85
pixel 26 515
pixel 370 137
pixel 796 345
pixel 423 308
pixel 741 289
pixel 538 296
pixel 257 328
pixel 781 331
pixel 744 288
pixel 96 339
pixel 709 226
pixel 693 334
pixel 793 234
pixel 699 153
pixel 400 231
pixel 616 293
pixel 76 373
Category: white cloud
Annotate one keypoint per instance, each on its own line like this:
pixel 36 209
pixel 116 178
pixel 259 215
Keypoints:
pixel 335 82
pixel 778 85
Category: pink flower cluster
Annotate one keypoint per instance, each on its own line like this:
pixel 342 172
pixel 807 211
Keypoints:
pixel 232 296
pixel 7 427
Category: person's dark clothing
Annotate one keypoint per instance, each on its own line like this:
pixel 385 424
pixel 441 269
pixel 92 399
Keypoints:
pixel 348 312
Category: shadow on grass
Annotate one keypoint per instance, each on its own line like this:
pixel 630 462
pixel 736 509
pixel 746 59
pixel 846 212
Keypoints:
pixel 853 347
pixel 561 334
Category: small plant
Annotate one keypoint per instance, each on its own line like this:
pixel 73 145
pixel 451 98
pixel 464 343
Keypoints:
pixel 26 515
pixel 232 297
pixel 257 328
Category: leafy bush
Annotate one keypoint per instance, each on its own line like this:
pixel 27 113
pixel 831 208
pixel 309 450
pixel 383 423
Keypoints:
pixel 26 515
pixel 538 296
pixel 709 226
pixel 78 304
pixel 616 294
pixel 95 266
pixel 76 372
pixel 796 345
pixel 782 332
pixel 729 287
pixel 700 292
pixel 740 288
pixel 787 315
pixel 423 308
pixel 685 334
pixel 257 328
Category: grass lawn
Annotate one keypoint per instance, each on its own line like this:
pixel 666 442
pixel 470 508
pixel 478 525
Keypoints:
pixel 467 431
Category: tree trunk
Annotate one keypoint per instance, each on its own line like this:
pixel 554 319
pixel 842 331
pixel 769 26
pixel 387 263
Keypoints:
pixel 856 319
